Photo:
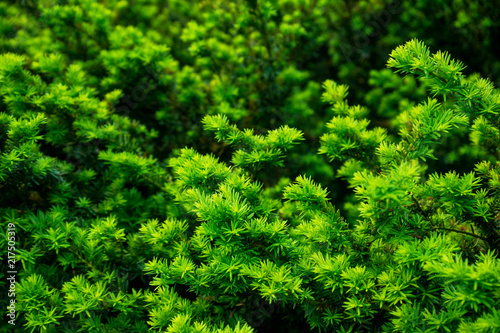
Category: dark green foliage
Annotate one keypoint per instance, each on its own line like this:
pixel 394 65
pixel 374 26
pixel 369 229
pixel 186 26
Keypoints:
pixel 250 166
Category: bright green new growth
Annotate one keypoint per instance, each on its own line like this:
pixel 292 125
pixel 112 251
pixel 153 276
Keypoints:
pixel 349 137
pixel 256 151
pixel 130 219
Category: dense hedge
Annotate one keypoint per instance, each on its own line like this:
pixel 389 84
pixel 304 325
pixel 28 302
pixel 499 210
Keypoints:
pixel 250 166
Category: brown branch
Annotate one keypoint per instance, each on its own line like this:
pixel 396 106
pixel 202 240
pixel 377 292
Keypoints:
pixel 463 232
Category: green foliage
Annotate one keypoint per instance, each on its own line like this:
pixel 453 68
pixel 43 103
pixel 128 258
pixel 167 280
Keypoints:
pixel 257 151
pixel 196 166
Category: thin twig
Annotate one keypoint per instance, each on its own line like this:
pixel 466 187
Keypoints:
pixel 462 232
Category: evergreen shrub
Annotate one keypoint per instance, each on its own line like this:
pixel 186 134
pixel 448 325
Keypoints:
pixel 200 166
